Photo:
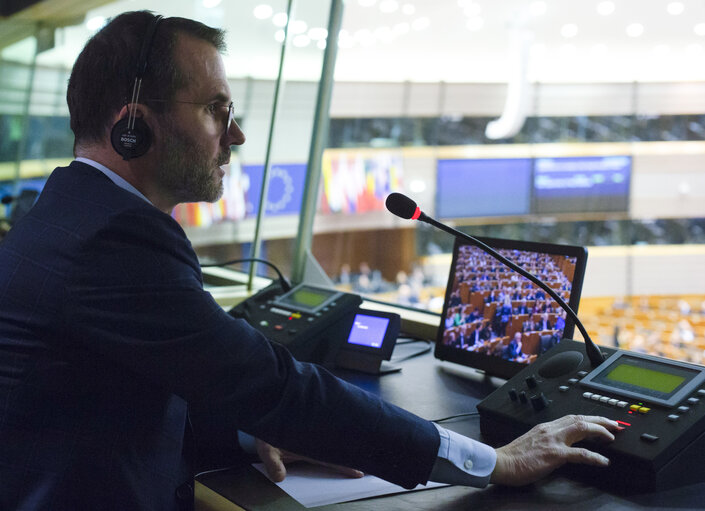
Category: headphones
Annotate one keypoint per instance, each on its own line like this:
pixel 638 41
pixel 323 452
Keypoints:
pixel 131 136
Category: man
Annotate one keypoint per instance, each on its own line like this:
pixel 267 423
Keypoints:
pixel 118 371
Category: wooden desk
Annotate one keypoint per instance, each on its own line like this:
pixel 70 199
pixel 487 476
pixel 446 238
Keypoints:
pixel 422 387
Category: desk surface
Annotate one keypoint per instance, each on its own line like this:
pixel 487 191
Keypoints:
pixel 425 389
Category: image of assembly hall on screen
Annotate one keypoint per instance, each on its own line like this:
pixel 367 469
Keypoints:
pixel 494 311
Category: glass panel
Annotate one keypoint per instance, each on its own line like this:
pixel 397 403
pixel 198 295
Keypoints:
pixel 416 88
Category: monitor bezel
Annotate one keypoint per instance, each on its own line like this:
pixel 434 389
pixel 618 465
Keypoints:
pixel 493 365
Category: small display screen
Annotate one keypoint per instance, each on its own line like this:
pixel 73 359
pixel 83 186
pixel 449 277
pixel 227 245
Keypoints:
pixel 306 297
pixel 368 330
pixel 645 377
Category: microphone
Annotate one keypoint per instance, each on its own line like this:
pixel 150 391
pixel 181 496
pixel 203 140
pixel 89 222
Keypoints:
pixel 402 206
pixel 7 199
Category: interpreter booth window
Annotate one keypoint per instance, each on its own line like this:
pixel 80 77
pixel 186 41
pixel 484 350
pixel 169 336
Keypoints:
pixel 274 93
pixel 427 111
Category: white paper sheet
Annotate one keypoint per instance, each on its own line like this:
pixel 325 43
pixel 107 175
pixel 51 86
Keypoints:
pixel 314 485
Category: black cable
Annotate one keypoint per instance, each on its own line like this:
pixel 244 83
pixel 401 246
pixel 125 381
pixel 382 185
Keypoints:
pixel 284 283
pixel 458 416
pixel 418 353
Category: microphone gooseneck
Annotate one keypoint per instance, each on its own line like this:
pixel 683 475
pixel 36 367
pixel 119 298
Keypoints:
pixel 404 207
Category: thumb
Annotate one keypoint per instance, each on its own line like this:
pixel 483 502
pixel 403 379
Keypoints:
pixel 272 459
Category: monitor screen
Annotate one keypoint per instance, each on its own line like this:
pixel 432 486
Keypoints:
pixel 485 187
pixel 498 321
pixel 368 330
pixel 581 184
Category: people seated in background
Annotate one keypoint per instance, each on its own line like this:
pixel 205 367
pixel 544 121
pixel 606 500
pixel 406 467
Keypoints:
pixel 521 308
pixel 560 321
pixel 504 315
pixel 481 334
pixel 474 315
pixel 529 325
pixel 544 323
pixel 512 350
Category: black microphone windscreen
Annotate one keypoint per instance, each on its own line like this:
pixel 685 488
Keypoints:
pixel 7 199
pixel 401 205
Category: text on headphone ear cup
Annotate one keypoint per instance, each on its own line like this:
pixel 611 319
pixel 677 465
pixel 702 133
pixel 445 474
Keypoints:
pixel 131 143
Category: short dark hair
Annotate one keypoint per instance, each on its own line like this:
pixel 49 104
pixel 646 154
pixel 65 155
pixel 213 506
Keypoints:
pixel 102 78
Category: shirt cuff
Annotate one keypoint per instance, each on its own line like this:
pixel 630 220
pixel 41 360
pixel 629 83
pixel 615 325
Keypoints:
pixel 462 460
pixel 247 442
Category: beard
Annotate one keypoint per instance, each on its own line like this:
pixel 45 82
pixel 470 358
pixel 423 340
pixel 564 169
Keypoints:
pixel 187 172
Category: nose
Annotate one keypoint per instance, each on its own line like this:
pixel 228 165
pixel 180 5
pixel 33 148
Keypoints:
pixel 235 134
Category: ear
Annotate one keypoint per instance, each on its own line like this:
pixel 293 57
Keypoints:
pixel 140 111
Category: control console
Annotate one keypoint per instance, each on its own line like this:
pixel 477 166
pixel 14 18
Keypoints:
pixel 660 403
pixel 308 320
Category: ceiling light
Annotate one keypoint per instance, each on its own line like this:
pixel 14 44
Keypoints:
pixel 345 40
pixel 298 26
pixel 388 5
pixel 317 33
pixel 417 186
pixel 605 8
pixel 95 23
pixel 538 8
pixel 408 9
pixel 699 29
pixel 475 24
pixel 209 4
pixel 262 11
pixel 279 36
pixel 569 30
pixel 280 19
pixel 421 23
pixel 675 8
pixel 321 43
pixel 635 29
pixel 301 41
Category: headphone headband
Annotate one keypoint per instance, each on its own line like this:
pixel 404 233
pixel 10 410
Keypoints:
pixel 130 136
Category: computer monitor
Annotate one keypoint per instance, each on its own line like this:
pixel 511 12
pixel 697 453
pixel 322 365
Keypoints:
pixel 496 320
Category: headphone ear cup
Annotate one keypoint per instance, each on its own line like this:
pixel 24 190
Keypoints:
pixel 131 143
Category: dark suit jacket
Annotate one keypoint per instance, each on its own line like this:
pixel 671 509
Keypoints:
pixel 107 343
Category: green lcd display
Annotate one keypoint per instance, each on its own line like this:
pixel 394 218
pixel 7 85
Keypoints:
pixel 645 378
pixel 308 297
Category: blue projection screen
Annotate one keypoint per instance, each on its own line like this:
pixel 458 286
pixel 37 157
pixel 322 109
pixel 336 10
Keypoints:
pixel 483 187
pixel 582 184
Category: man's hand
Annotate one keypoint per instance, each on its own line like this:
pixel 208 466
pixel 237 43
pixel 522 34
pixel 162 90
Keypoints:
pixel 548 446
pixel 274 460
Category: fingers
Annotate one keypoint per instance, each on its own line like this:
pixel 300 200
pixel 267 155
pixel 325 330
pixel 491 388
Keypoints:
pixel 550 445
pixel 275 460
pixel 586 457
pixel 580 427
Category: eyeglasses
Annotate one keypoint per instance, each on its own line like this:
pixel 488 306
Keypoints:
pixel 211 108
